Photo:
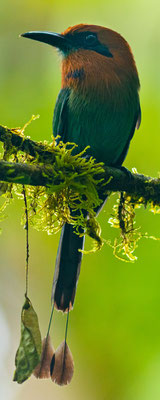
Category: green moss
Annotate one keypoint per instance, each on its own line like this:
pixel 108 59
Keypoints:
pixel 5 198
pixel 73 194
pixel 124 219
pixel 76 185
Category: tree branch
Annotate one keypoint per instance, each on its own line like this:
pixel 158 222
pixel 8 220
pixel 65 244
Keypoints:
pixel 16 139
pixel 22 173
pixel 137 185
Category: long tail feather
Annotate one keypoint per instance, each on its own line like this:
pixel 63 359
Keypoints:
pixel 67 269
pixel 68 264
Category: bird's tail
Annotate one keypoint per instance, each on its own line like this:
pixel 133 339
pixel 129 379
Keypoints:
pixel 67 269
pixel 68 264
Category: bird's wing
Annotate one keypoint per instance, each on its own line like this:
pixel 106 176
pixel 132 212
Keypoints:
pixel 60 115
pixel 136 125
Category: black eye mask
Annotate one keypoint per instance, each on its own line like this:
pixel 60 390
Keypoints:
pixel 88 41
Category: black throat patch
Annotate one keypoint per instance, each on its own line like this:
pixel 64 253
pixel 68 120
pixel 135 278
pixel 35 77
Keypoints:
pixel 76 74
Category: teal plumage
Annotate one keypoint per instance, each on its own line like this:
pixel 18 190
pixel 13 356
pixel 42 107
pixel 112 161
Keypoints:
pixel 95 124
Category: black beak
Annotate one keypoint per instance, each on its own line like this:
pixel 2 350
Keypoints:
pixel 52 38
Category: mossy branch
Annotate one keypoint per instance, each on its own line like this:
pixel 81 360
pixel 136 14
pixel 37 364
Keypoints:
pixel 137 185
pixel 16 139
pixel 42 175
pixel 25 174
pixel 59 180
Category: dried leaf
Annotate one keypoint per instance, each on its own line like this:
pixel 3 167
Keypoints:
pixel 62 365
pixel 29 351
pixel 42 370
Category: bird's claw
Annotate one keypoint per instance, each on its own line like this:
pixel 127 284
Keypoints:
pixel 127 172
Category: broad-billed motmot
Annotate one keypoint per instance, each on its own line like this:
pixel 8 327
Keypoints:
pixel 98 106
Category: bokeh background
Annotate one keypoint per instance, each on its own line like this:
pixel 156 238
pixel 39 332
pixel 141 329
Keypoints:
pixel 114 330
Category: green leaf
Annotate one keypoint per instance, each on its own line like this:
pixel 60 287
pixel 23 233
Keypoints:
pixel 29 351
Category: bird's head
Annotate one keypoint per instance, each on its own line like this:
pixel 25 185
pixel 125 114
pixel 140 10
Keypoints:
pixel 91 54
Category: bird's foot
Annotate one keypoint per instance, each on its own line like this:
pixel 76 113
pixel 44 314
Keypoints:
pixel 127 172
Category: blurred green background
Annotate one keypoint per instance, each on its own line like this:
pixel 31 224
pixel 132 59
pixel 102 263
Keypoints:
pixel 114 331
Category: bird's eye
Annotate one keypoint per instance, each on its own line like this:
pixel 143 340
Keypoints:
pixel 90 39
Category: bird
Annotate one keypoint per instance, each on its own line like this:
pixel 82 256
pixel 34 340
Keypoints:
pixel 98 106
